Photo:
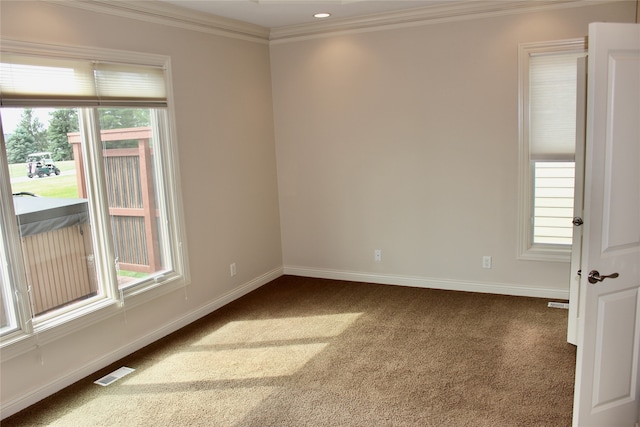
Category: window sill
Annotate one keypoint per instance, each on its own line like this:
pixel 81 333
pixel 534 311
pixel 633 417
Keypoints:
pixel 143 293
pixel 547 253
pixel 50 330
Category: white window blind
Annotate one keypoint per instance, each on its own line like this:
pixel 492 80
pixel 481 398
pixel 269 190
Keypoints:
pixel 552 98
pixel 36 81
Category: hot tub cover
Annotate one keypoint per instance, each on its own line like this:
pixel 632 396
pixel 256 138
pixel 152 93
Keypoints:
pixel 37 215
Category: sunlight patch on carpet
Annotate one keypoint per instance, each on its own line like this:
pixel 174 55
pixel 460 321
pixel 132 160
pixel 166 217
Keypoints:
pixel 288 328
pixel 230 364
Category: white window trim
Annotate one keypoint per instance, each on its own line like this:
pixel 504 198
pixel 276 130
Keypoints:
pixel 10 250
pixel 527 250
pixel 99 309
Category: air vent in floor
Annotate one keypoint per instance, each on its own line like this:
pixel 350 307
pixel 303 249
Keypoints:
pixel 114 376
pixel 564 305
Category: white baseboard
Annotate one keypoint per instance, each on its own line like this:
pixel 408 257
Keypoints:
pixel 426 282
pixel 31 398
pixel 79 373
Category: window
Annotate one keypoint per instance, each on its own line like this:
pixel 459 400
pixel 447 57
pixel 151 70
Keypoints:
pixel 548 102
pixel 91 217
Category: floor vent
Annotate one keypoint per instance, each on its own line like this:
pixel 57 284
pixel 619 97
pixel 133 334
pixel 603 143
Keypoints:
pixel 564 305
pixel 114 376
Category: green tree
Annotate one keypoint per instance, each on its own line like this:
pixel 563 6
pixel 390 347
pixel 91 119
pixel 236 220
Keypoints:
pixel 121 118
pixel 62 122
pixel 30 136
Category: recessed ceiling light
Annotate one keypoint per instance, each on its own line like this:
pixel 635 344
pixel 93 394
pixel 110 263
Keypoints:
pixel 322 15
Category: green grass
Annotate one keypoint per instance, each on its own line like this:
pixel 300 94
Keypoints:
pixel 135 274
pixel 60 186
pixel 52 186
pixel 20 169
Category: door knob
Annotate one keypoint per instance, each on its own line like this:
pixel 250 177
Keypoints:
pixel 577 221
pixel 595 277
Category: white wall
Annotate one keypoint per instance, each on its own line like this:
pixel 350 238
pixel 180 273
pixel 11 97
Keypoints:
pixel 406 140
pixel 228 177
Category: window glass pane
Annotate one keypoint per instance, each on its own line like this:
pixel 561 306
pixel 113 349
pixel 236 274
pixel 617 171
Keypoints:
pixel 131 152
pixel 553 202
pixel 52 216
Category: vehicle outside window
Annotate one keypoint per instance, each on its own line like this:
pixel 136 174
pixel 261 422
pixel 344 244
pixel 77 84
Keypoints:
pixel 41 164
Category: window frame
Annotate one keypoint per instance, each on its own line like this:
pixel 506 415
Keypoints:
pixel 526 248
pixel 48 328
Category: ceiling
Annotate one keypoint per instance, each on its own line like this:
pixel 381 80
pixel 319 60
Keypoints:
pixel 284 13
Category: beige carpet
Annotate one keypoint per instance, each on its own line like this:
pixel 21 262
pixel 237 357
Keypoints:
pixel 310 352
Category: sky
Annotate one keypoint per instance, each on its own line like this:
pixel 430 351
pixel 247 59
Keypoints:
pixel 11 118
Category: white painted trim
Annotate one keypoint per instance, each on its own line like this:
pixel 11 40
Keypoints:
pixel 428 282
pixel 167 14
pixel 526 250
pixel 79 373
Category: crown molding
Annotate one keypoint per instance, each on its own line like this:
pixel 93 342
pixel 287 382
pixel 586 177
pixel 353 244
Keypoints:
pixel 167 14
pixel 433 14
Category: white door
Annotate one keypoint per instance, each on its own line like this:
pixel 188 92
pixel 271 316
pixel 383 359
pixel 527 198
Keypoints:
pixel 575 311
pixel 607 391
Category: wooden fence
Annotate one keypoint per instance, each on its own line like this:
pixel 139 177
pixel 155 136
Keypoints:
pixel 130 191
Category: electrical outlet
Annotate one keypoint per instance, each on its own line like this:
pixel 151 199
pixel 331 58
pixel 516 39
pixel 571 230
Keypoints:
pixel 486 261
pixel 232 269
pixel 377 255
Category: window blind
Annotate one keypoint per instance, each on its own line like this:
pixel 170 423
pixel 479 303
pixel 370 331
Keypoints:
pixel 552 99
pixel 40 81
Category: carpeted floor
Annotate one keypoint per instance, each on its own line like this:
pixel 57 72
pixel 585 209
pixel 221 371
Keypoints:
pixel 312 352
